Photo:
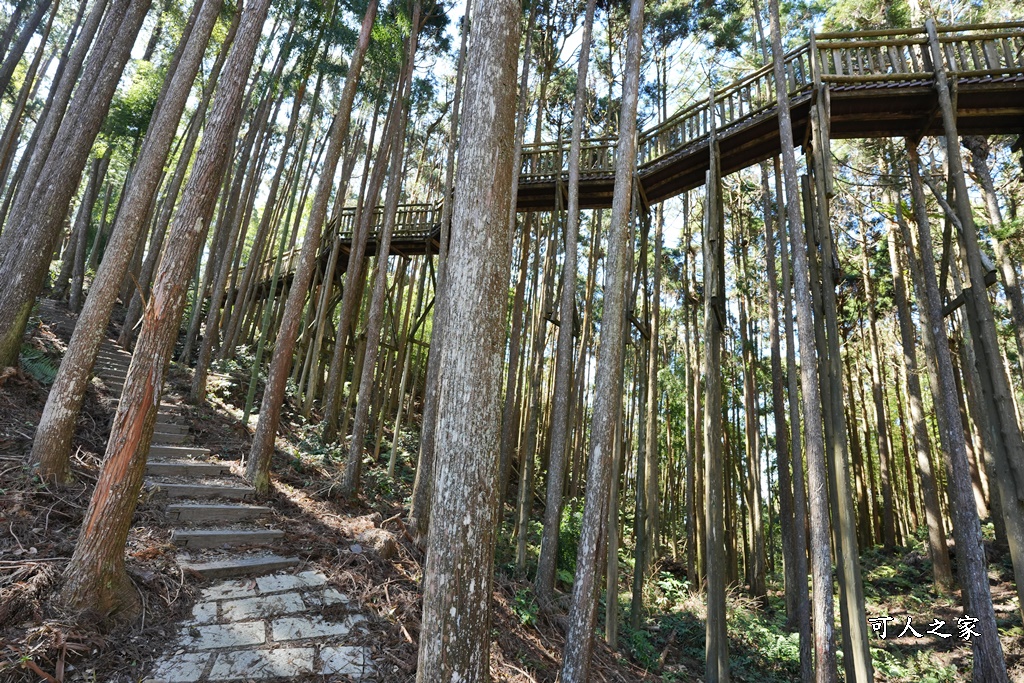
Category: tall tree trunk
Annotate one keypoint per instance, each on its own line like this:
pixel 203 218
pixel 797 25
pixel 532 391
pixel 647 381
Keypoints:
pixel 375 316
pixel 560 425
pixel 881 422
pixel 821 570
pixel 51 448
pixel 422 492
pixel 84 220
pixel 18 49
pixel 34 224
pixel 1009 460
pixel 258 463
pixel 989 664
pixel 937 549
pixel 755 536
pixel 95 577
pixel 607 394
pixel 456 634
pixel 363 222
pixel 717 493
pixel 790 525
pixel 979 147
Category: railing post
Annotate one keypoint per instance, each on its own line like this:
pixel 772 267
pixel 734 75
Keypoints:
pixel 815 58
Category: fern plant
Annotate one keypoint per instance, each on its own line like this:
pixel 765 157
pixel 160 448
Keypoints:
pixel 38 364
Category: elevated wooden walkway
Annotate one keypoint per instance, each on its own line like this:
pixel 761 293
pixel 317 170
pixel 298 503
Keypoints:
pixel 880 84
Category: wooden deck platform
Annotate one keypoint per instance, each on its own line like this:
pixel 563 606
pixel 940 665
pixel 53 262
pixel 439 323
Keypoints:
pixel 879 84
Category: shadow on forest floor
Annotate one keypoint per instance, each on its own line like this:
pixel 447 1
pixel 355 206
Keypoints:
pixel 39 525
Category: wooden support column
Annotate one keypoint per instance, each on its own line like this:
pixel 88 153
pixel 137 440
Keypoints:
pixel 995 384
pixel 717 647
pixel 857 659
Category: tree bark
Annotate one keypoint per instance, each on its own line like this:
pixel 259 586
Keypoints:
pixel 821 570
pixel 989 664
pixel 375 317
pixel 95 577
pixel 607 394
pixel 258 463
pixel 716 640
pixel 937 548
pixel 559 437
pixel 84 219
pixel 18 49
pixel 456 633
pixel 881 424
pixel 422 492
pixel 35 221
pixel 51 448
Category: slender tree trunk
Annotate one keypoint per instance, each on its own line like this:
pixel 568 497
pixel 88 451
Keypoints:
pixel 881 423
pixel 51 448
pixel 35 222
pixel 989 664
pixel 979 148
pixel 1009 460
pixel 788 520
pixel 18 49
pixel 95 578
pixel 422 492
pixel 567 310
pixel 716 492
pixel 937 548
pixel 375 317
pixel 258 463
pixel 607 395
pixel 821 570
pixel 363 223
pixel 92 191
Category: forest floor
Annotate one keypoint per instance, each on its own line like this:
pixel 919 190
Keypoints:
pixel 39 526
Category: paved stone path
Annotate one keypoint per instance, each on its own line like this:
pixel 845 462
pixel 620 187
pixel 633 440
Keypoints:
pixel 274 626
pixel 253 624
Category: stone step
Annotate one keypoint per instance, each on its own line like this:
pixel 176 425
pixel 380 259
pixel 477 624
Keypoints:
pixel 111 366
pixel 177 452
pixel 185 468
pixel 202 491
pixel 197 512
pixel 108 374
pixel 213 538
pixel 165 439
pixel 241 566
pixel 163 427
pixel 111 358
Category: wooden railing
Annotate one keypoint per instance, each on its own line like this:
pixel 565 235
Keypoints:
pixel 833 60
pixel 852 58
pixel 411 221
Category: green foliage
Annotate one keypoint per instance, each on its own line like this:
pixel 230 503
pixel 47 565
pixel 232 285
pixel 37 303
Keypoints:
pixel 719 22
pixel 905 580
pixel 918 667
pixel 132 107
pixel 639 644
pixel 569 538
pixel 673 590
pixel 525 607
pixel 38 364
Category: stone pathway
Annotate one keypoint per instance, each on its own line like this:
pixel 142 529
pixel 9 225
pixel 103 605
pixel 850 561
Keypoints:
pixel 253 624
pixel 291 626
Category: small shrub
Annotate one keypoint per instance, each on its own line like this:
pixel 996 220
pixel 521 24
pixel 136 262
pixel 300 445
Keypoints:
pixel 524 605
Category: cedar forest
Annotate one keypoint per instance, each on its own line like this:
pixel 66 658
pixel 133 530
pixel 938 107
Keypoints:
pixel 575 340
